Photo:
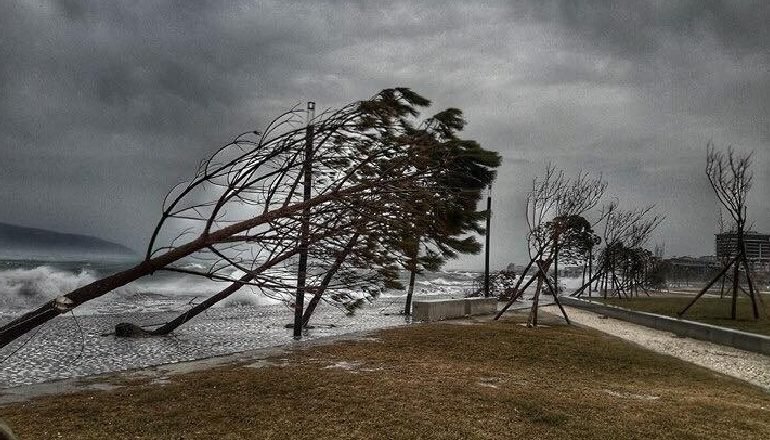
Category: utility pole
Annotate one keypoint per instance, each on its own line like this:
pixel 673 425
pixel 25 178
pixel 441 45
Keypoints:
pixel 307 169
pixel 486 247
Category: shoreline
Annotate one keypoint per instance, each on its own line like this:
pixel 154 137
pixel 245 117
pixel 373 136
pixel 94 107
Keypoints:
pixel 163 372
pixel 69 348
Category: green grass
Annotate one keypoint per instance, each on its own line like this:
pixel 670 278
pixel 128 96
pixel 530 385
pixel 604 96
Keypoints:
pixel 707 309
pixel 496 380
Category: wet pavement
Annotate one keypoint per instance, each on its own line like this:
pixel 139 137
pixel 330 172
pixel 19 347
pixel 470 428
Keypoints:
pixel 70 347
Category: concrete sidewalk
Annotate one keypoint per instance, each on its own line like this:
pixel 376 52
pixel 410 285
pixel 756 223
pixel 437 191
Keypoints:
pixel 751 367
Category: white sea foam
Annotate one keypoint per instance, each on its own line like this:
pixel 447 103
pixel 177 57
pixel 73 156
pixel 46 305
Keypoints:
pixel 23 288
pixel 20 287
pixel 445 282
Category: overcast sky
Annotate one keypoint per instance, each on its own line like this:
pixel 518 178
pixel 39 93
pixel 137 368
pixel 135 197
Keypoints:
pixel 105 105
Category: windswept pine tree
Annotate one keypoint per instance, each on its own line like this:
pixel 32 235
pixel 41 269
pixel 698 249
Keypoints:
pixel 442 224
pixel 443 202
pixel 247 214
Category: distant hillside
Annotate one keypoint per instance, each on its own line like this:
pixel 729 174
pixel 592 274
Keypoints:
pixel 21 241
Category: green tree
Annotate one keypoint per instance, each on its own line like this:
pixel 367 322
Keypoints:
pixel 441 225
pixel 242 209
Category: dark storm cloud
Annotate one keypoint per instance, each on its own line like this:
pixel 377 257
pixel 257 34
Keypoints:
pixel 105 105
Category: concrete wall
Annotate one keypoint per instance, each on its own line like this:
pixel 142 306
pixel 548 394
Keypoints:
pixel 480 306
pixel 442 309
pixel 438 309
pixel 681 327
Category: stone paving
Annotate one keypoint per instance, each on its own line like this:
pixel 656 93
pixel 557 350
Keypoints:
pixel 67 348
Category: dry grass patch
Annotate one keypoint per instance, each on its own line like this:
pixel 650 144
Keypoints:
pixel 442 381
pixel 710 310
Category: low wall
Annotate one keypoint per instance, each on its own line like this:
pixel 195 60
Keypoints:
pixel 480 306
pixel 681 327
pixel 442 309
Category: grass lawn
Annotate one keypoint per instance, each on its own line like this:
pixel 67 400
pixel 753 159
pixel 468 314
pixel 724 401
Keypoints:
pixel 496 380
pixel 707 309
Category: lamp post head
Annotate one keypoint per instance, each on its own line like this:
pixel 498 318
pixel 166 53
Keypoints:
pixel 310 111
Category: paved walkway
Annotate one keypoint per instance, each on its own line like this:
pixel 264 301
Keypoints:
pixel 69 348
pixel 745 365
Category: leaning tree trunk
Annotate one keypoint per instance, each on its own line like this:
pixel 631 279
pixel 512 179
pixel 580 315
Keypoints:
pixel 703 291
pixel 65 303
pixel 410 290
pixel 532 321
pixel 224 293
pixel 516 291
pixel 594 279
pixel 206 304
pixel 733 304
pixel 722 289
pixel 554 293
pixel 752 292
pixel 313 303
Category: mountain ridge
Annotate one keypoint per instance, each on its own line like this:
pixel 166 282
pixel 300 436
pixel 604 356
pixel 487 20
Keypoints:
pixel 16 239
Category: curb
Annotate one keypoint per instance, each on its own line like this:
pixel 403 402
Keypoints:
pixel 696 330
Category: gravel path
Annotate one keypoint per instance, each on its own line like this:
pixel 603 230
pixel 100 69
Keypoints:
pixel 745 365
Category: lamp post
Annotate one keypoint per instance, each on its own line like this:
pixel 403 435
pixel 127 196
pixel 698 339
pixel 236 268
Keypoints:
pixel 486 247
pixel 307 169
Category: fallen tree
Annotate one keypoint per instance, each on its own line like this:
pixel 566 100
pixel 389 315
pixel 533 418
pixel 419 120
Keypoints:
pixel 247 192
pixel 374 238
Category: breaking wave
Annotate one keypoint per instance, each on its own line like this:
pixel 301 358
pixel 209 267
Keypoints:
pixel 22 287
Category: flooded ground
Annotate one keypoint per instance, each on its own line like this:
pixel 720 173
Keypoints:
pixel 67 347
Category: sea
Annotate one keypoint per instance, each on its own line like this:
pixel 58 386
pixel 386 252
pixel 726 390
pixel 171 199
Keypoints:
pixel 81 343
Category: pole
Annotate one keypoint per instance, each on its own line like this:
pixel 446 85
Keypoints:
pixel 486 247
pixel 307 169
pixel 555 259
pixel 590 268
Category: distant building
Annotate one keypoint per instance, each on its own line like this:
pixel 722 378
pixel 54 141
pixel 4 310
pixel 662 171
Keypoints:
pixel 690 269
pixel 571 271
pixel 700 264
pixel 757 247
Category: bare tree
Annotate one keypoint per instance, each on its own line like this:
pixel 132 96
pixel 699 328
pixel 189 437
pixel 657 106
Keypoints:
pixel 556 207
pixel 624 234
pixel 553 207
pixel 731 178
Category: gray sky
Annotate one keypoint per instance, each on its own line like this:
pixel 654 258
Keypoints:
pixel 105 105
